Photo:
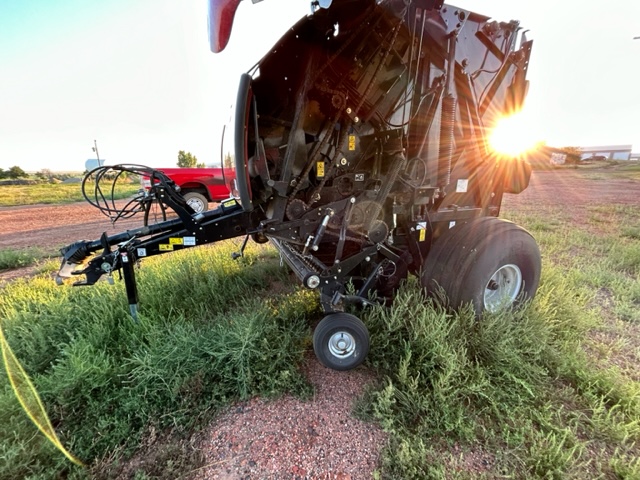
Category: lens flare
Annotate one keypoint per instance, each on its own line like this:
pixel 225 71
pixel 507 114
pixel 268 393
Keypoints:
pixel 513 135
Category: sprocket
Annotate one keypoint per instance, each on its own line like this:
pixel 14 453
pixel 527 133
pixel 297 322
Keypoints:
pixel 296 209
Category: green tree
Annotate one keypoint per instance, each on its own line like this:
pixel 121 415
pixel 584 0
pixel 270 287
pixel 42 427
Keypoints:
pixel 3 174
pixel 187 159
pixel 574 154
pixel 16 172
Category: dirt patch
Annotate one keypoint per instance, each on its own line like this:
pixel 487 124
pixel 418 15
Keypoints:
pixel 290 438
pixel 15 273
pixel 50 227
pixel 576 190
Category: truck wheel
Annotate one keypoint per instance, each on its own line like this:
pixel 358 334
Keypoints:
pixel 488 262
pixel 341 341
pixel 197 201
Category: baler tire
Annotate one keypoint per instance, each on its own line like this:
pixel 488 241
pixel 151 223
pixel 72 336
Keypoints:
pixel 488 262
pixel 197 201
pixel 341 341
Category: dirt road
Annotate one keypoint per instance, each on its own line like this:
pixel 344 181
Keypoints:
pixel 52 226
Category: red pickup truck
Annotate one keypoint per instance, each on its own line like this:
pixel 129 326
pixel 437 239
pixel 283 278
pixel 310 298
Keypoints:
pixel 198 186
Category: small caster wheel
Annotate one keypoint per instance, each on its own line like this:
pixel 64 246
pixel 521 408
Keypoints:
pixel 341 341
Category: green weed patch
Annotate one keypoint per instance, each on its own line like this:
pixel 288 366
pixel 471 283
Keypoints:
pixel 447 377
pixel 209 334
pixel 19 258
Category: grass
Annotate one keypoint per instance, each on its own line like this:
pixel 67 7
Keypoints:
pixel 455 381
pixel 107 381
pixel 598 171
pixel 14 195
pixel 551 391
pixel 12 258
pixel 611 169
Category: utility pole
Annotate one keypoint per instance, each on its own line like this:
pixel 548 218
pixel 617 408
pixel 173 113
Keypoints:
pixel 95 149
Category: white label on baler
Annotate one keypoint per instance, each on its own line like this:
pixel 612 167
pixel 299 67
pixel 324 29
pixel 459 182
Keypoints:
pixel 452 224
pixel 462 185
pixel 189 241
pixel 142 252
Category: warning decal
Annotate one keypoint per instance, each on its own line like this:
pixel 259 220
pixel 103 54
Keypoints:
pixel 422 231
pixel 462 185
pixel 175 241
pixel 163 247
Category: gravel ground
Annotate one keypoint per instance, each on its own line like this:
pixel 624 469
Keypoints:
pixel 294 439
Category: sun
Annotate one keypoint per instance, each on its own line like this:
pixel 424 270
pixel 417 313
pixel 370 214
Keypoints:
pixel 513 135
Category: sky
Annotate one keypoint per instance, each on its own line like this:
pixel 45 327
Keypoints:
pixel 139 78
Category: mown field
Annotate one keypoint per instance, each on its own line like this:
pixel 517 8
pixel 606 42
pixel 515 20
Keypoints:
pixel 551 391
pixel 48 193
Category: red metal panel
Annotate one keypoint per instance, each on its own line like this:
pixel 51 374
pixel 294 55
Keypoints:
pixel 221 14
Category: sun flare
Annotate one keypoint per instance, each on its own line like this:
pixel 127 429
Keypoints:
pixel 513 135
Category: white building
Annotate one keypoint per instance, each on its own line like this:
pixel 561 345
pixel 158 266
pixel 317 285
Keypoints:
pixel 609 152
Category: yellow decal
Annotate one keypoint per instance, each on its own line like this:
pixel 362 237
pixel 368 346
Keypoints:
pixel 165 248
pixel 352 142
pixel 229 203
pixel 175 241
pixel 422 235
pixel 319 169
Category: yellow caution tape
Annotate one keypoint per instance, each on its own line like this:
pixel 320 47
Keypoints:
pixel 29 398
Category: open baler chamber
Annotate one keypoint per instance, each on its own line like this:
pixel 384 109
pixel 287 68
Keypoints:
pixel 358 147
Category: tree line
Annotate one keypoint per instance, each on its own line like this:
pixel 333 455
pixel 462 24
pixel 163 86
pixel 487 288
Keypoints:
pixel 185 160
pixel 13 173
